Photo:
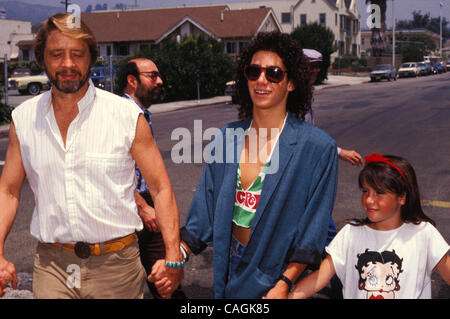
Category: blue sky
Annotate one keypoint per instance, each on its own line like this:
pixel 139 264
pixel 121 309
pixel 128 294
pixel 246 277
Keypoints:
pixel 403 8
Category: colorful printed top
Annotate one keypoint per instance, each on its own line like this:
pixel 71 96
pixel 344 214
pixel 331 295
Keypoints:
pixel 246 201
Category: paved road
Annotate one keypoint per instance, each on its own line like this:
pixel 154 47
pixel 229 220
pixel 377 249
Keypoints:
pixel 409 118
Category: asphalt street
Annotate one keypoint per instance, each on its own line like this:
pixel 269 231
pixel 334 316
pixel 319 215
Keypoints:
pixel 408 117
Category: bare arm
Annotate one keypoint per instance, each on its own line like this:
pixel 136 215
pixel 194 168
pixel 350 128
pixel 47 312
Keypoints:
pixel 281 288
pixel 11 182
pixel 150 162
pixel 315 281
pixel 443 268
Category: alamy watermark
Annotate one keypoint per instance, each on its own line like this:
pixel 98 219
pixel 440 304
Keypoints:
pixel 74 279
pixel 374 19
pixel 224 145
pixel 74 19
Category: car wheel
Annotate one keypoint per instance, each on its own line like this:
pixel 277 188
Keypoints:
pixel 34 89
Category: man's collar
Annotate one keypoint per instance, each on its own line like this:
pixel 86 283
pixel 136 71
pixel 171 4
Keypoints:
pixel 84 103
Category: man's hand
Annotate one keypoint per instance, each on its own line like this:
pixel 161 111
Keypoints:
pixel 147 213
pixel 7 275
pixel 352 157
pixel 166 279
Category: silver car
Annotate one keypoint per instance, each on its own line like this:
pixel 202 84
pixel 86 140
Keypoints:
pixel 383 71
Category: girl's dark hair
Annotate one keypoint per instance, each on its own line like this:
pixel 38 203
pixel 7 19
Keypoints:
pixel 297 66
pixel 384 178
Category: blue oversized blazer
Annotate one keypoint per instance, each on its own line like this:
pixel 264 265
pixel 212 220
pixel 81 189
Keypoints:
pixel 292 216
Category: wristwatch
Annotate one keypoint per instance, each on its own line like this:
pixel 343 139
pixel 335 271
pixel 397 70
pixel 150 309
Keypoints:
pixel 288 281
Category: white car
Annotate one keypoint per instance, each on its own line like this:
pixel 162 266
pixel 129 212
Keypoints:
pixel 32 84
pixel 409 69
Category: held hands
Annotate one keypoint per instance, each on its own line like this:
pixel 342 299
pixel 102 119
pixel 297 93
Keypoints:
pixel 279 291
pixel 166 279
pixel 7 275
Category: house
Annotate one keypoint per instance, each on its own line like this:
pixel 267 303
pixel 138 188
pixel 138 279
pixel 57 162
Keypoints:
pixel 13 31
pixel 124 32
pixel 341 16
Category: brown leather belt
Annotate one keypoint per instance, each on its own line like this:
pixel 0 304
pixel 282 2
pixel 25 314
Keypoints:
pixel 84 250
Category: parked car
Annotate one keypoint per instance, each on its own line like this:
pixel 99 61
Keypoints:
pixel 17 73
pixel 408 69
pixel 383 71
pixel 230 90
pixel 425 68
pixel 32 84
pixel 101 78
pixel 447 64
pixel 437 68
pixel 444 66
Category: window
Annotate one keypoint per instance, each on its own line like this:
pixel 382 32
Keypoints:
pixel 302 19
pixel 242 45
pixel 354 49
pixel 341 48
pixel 123 49
pixel 231 47
pixel 285 17
pixel 143 47
pixel 342 20
pixel 313 1
pixel 26 54
pixel 108 50
pixel 322 18
pixel 335 19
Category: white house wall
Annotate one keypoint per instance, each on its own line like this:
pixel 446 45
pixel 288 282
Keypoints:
pixel 11 32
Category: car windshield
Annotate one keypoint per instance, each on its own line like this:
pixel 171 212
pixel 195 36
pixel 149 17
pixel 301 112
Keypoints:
pixel 382 67
pixel 407 65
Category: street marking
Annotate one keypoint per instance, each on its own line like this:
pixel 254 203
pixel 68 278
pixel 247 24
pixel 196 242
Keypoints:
pixel 2 163
pixel 435 203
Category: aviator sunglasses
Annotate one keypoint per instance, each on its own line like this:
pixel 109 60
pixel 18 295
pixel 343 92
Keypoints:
pixel 152 75
pixel 273 73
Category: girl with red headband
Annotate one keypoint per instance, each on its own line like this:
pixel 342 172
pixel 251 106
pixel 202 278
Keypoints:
pixel 392 252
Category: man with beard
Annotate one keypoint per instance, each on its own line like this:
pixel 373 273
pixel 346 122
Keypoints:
pixel 141 82
pixel 77 146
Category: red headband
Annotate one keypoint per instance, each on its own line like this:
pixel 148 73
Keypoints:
pixel 375 157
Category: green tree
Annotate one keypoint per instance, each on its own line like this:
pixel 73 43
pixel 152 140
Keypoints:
pixel 425 21
pixel 411 53
pixel 316 36
pixel 182 63
pixel 5 110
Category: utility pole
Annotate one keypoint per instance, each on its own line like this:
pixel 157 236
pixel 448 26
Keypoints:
pixel 66 2
pixel 440 24
pixel 393 35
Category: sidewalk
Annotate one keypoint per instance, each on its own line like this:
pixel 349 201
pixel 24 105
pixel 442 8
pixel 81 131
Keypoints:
pixel 334 81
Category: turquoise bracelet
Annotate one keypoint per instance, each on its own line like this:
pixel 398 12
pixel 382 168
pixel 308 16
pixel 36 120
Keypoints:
pixel 175 264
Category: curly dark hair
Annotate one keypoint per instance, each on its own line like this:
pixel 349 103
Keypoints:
pixel 297 66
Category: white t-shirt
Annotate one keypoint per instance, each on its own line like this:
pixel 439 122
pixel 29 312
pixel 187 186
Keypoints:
pixel 394 264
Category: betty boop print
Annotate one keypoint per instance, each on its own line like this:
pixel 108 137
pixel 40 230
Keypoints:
pixel 379 273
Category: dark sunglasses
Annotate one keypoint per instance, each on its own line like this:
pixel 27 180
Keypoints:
pixel 152 75
pixel 273 73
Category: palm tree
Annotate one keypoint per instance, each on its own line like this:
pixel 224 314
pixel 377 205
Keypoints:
pixel 378 40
